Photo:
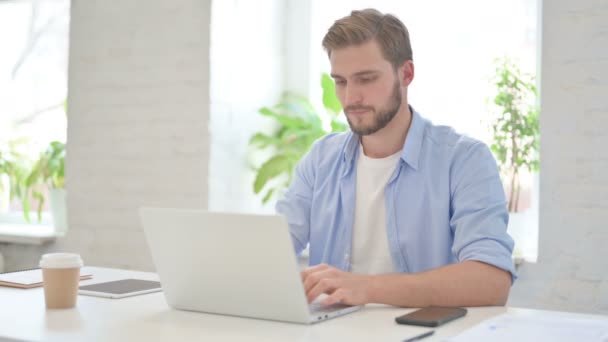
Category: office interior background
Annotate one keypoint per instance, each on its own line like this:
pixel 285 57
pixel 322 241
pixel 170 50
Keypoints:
pixel 156 102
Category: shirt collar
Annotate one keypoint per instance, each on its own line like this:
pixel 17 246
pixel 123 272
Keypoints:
pixel 413 142
pixel 410 153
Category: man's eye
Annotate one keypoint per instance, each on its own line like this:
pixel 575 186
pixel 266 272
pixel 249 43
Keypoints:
pixel 340 82
pixel 367 79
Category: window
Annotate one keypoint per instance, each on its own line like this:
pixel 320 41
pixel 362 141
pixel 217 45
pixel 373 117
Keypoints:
pixel 33 77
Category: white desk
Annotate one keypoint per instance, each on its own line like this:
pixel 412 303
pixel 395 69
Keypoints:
pixel 148 318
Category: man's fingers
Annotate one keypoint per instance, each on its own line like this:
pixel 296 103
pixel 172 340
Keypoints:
pixel 338 296
pixel 312 269
pixel 313 278
pixel 325 285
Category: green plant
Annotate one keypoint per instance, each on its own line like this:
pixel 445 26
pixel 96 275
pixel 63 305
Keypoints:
pixel 47 171
pixel 299 125
pixel 515 126
pixel 6 163
pixel 14 164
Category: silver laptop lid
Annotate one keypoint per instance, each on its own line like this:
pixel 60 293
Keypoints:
pixel 233 264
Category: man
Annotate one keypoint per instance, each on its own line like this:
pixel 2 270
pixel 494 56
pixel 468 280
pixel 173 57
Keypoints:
pixel 396 211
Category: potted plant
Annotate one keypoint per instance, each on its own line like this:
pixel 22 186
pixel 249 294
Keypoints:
pixel 48 174
pixel 515 129
pixel 13 167
pixel 298 126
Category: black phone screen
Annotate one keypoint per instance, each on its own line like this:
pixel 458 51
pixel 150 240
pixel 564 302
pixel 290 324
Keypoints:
pixel 431 316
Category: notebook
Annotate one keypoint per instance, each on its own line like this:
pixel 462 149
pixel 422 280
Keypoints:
pixel 26 279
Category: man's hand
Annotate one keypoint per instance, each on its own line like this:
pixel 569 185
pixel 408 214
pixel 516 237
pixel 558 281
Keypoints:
pixel 341 287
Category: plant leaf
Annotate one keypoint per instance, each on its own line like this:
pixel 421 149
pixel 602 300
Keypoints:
pixel 270 169
pixel 268 196
pixel 262 140
pixel 337 126
pixel 285 120
pixel 37 195
pixel 330 100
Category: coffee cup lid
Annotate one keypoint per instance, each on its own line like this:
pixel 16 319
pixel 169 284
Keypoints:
pixel 60 260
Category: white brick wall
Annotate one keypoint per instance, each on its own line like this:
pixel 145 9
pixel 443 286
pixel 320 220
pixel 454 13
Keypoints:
pixel 571 273
pixel 138 121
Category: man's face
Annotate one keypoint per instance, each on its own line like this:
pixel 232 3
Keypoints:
pixel 367 86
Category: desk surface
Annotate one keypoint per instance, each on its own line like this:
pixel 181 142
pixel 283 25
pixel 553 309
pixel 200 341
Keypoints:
pixel 148 318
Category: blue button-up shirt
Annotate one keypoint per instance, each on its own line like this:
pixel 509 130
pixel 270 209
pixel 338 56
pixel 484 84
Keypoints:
pixel 444 202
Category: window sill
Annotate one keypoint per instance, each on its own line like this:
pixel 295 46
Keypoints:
pixel 27 234
pixel 14 229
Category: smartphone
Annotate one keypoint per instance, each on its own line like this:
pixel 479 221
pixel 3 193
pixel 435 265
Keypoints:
pixel 432 316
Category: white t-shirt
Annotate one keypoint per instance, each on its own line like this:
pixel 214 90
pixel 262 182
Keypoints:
pixel 370 252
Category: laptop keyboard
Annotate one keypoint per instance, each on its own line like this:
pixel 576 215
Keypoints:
pixel 317 307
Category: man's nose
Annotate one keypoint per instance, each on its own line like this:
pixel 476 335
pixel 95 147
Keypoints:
pixel 352 96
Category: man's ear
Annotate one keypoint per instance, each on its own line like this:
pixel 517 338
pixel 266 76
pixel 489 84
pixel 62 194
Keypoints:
pixel 406 72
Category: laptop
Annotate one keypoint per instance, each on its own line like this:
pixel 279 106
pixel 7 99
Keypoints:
pixel 230 264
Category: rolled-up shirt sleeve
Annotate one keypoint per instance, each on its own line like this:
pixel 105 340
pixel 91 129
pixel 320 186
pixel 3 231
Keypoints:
pixel 479 215
pixel 296 203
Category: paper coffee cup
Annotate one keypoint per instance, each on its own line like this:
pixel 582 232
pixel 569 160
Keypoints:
pixel 60 276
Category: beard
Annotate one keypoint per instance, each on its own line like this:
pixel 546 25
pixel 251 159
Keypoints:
pixel 381 117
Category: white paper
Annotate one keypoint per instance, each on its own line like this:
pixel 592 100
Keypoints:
pixel 536 326
pixel 30 277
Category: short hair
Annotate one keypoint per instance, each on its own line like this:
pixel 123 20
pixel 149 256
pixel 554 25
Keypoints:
pixel 370 24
